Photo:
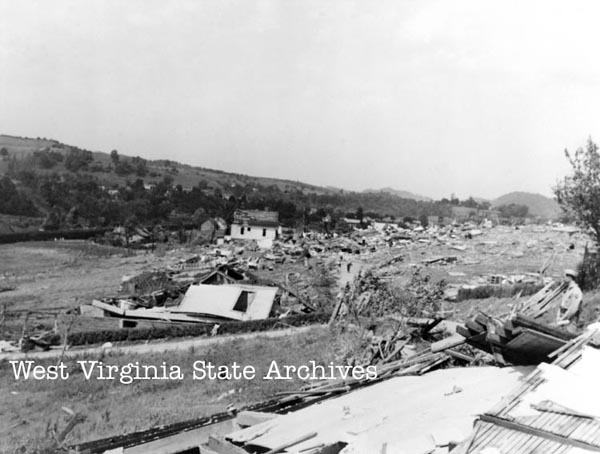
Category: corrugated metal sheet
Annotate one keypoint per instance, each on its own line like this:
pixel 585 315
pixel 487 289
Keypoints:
pixel 409 414
pixel 513 427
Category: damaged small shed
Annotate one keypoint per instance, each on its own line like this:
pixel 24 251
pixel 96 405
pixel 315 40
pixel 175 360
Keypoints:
pixel 233 302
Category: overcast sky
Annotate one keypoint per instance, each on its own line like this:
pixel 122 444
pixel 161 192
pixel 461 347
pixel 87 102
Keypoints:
pixel 436 97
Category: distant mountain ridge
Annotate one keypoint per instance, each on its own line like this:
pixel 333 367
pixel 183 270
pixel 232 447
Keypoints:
pixel 538 204
pixel 399 193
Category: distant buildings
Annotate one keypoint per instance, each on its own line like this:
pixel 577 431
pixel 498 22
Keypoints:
pixel 255 225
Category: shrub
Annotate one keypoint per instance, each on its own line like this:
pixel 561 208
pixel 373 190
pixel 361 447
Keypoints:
pixel 181 330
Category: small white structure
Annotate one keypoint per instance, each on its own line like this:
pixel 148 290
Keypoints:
pixel 235 302
pixel 255 225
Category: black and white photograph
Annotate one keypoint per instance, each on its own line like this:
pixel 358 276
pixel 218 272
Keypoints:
pixel 299 227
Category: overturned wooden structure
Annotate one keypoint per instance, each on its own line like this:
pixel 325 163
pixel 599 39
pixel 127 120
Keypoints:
pixel 519 337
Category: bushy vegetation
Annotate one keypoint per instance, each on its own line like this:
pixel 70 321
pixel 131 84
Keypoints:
pixel 422 296
pixel 79 234
pixel 77 159
pixel 513 210
pixel 14 201
pixel 180 330
pixel 498 291
pixel 579 193
pixel 579 197
pixel 47 159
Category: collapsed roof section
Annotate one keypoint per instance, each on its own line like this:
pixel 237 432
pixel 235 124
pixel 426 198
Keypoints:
pixel 521 336
pixel 256 218
pixel 235 302
pixel 556 410
pixel 404 414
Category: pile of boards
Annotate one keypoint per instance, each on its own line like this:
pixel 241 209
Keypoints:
pixel 519 340
pixel 519 337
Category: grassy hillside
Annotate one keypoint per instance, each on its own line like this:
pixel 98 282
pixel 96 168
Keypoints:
pixel 71 187
pixel 538 204
pixel 22 148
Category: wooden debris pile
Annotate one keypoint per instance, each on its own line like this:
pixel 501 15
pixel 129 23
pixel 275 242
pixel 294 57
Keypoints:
pixel 519 337
pixel 371 296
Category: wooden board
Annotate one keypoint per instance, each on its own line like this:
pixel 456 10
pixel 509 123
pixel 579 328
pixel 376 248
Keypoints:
pixel 531 347
pixel 528 322
pixel 183 441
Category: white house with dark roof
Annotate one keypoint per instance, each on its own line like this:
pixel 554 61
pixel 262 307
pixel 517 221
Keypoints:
pixel 255 225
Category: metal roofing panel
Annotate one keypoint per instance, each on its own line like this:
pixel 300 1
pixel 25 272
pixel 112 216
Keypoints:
pixel 219 301
pixel 569 397
pixel 405 412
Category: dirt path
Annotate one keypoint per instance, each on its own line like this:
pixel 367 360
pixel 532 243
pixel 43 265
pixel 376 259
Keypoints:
pixel 157 347
pixel 348 276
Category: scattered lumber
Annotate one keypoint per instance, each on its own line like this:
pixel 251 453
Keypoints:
pixel 448 343
pixel 249 418
pixel 220 445
pixel 292 443
pixel 519 340
pixel 540 302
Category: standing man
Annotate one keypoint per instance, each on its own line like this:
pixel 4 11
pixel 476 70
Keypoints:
pixel 570 306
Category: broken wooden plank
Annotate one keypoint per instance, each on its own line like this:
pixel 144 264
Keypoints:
pixel 475 327
pixel 397 350
pixel 222 446
pixel 463 331
pixel 528 322
pixel 531 347
pixel 249 418
pixel 336 309
pixel 459 355
pixel 482 319
pixel 449 342
pixel 291 443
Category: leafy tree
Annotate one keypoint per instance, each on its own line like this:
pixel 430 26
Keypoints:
pixel 78 159
pixel 53 219
pixel 513 210
pixel 579 193
pixel 46 159
pixel 470 203
pixel 13 201
pixel 3 152
pixel 199 216
pixel 114 156
pixel 123 168
pixel 359 213
pixel 139 164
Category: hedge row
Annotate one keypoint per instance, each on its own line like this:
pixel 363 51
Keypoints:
pixel 498 291
pixel 43 235
pixel 200 329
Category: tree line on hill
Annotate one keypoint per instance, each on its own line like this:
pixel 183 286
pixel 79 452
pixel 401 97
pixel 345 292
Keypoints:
pixel 78 197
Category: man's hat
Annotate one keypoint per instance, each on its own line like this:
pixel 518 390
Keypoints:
pixel 571 273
